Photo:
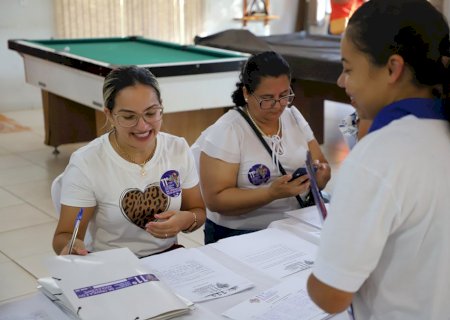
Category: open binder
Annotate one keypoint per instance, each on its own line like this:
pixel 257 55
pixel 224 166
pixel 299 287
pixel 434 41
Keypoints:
pixel 110 284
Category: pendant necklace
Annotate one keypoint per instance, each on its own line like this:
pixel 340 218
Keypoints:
pixel 130 158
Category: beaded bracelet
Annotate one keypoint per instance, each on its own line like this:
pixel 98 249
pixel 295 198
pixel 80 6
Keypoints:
pixel 193 225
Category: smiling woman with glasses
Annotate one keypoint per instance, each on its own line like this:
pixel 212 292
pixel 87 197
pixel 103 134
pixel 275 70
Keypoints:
pixel 243 184
pixel 138 186
pixel 129 119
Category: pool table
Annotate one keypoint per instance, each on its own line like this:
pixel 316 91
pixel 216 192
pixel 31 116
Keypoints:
pixel 196 82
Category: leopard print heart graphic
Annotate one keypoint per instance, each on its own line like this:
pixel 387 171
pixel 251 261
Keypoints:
pixel 140 207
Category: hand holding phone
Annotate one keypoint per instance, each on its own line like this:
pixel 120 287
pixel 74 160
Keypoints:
pixel 298 173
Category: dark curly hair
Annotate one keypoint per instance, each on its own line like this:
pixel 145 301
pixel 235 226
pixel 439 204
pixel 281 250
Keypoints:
pixel 265 64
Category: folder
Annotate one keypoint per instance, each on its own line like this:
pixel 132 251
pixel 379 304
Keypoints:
pixel 111 284
pixel 318 200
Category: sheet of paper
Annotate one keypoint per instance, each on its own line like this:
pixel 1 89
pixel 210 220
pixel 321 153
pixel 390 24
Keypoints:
pixel 309 215
pixel 34 307
pixel 299 229
pixel 287 300
pixel 112 284
pixel 194 275
pixel 275 252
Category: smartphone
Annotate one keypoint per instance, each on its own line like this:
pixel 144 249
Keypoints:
pixel 298 173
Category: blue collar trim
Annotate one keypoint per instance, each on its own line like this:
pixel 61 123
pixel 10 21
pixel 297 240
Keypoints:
pixel 421 108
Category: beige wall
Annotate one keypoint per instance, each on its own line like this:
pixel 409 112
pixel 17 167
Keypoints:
pixel 21 19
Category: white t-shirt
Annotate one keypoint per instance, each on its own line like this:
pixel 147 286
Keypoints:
pixel 231 139
pixel 387 234
pixel 124 199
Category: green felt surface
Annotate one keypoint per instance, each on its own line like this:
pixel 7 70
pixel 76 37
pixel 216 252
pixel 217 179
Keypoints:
pixel 122 51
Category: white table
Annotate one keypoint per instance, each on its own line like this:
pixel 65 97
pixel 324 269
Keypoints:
pixel 212 309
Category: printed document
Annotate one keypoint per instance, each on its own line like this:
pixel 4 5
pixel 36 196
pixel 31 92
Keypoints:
pixel 275 252
pixel 287 300
pixel 195 276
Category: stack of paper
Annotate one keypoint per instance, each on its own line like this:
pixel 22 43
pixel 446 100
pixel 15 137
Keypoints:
pixel 287 300
pixel 109 284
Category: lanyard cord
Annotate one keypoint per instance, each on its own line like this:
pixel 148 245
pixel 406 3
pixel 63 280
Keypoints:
pixel 275 141
pixel 269 150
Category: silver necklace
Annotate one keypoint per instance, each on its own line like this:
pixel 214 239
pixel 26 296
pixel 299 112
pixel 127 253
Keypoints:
pixel 130 158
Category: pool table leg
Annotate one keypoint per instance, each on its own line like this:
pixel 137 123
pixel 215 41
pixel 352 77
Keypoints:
pixel 67 121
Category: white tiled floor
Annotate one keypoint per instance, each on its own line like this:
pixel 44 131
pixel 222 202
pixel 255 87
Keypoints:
pixel 27 217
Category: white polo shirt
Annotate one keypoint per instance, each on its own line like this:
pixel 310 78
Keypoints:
pixel 387 234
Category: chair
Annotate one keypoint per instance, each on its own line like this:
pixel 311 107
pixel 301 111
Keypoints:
pixel 55 192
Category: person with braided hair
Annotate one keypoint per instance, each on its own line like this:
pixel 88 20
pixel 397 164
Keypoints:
pixel 384 248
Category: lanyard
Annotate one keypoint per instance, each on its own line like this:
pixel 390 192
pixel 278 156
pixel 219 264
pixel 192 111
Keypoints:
pixel 264 143
pixel 421 108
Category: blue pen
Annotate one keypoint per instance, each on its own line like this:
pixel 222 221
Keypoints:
pixel 75 230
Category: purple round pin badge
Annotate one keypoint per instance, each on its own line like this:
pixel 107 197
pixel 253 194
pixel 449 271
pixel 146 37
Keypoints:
pixel 258 174
pixel 170 183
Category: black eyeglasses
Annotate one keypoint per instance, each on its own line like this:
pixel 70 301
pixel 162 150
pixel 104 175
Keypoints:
pixel 128 119
pixel 284 101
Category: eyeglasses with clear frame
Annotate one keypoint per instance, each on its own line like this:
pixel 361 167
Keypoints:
pixel 128 119
pixel 284 101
